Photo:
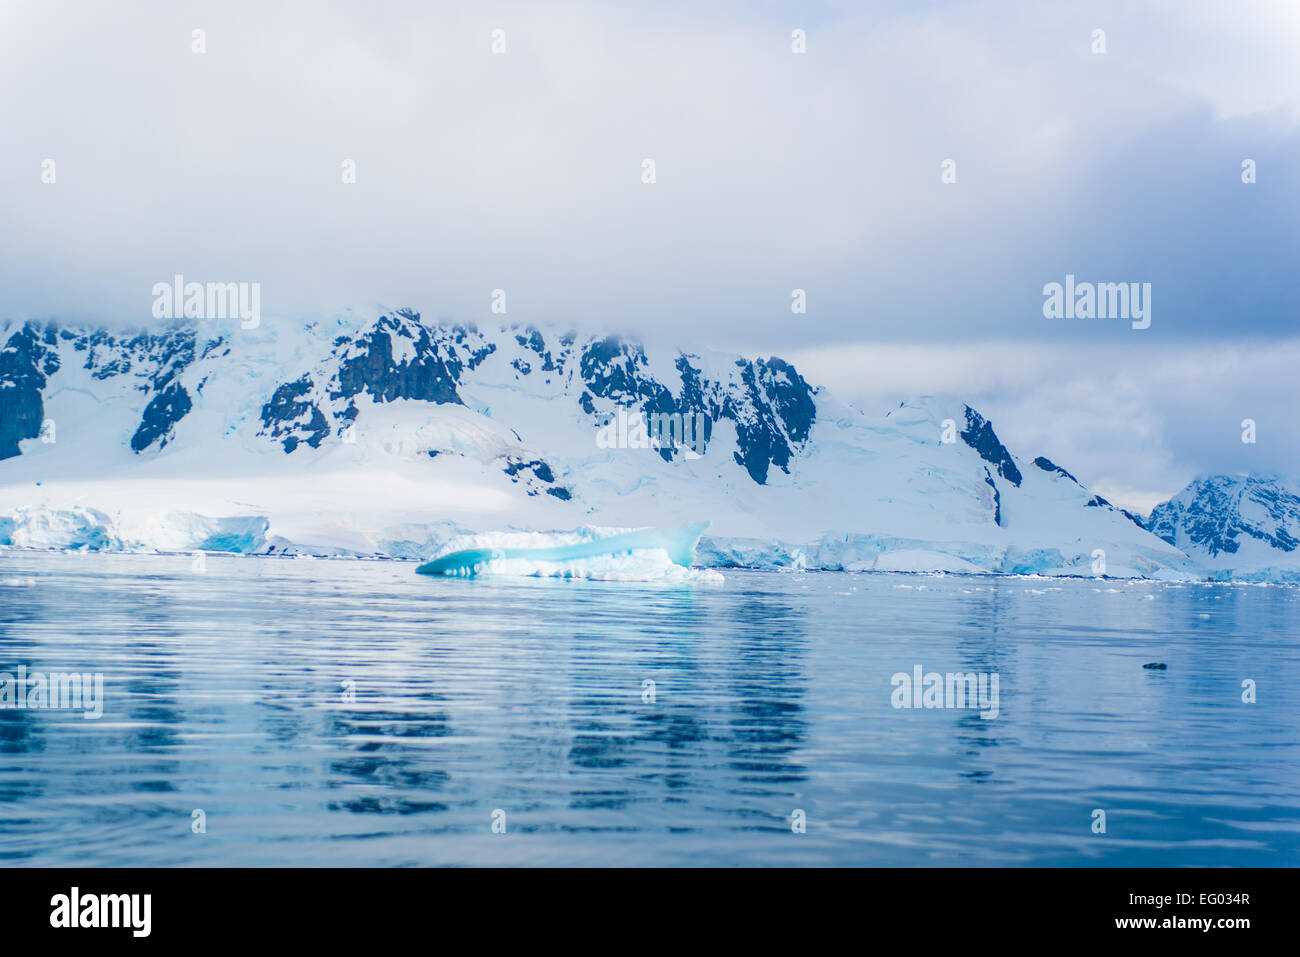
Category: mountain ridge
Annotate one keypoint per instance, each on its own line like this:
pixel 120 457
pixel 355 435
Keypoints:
pixel 1237 526
pixel 390 435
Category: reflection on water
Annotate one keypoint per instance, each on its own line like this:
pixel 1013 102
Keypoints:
pixel 332 712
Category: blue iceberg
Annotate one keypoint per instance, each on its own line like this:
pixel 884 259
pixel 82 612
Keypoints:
pixel 606 557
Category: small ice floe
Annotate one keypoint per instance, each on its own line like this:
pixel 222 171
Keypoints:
pixel 649 554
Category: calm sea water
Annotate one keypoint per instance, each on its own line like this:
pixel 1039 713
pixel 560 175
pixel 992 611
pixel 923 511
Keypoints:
pixel 229 692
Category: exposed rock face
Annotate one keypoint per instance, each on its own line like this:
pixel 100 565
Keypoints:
pixel 769 403
pixel 398 357
pixel 980 436
pixel 150 362
pixel 1218 515
pixel 997 498
pixel 1047 465
pixel 401 357
pixel 293 419
pixel 25 362
pixel 158 423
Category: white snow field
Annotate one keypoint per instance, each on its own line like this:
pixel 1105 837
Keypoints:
pixel 396 437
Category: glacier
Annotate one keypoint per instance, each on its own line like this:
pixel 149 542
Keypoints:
pixel 391 436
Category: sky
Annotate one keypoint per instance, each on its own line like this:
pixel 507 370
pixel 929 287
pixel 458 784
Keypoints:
pixel 820 171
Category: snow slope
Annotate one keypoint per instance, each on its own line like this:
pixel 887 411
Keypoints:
pixel 392 436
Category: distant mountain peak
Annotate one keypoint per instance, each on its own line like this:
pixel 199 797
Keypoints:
pixel 1235 522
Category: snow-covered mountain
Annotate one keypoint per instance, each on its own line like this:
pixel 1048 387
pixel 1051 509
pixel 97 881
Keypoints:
pixel 1243 527
pixel 388 436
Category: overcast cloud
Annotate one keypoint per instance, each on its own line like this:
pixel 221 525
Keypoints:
pixel 775 171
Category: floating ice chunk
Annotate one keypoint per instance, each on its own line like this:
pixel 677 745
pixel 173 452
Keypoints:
pixel 647 554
